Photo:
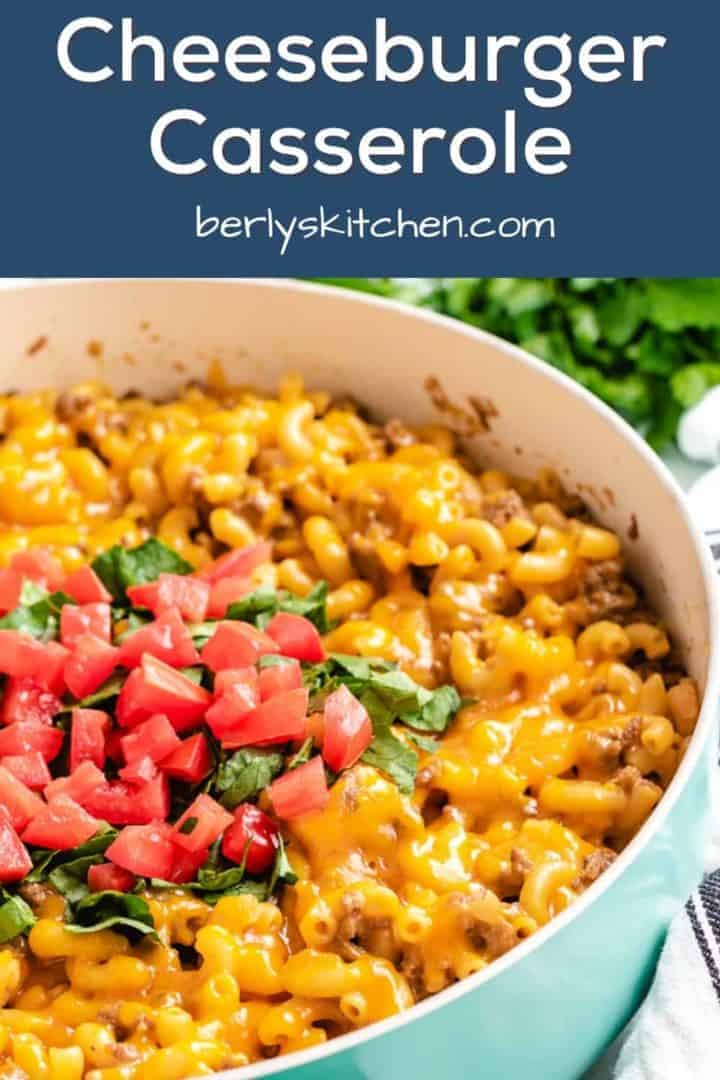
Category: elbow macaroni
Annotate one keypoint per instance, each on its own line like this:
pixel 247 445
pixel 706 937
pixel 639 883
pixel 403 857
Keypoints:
pixel 577 721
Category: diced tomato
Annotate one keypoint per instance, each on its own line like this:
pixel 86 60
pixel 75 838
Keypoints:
pixel 301 791
pixel 201 824
pixel 154 738
pixel 85 587
pixel 235 645
pixel 23 737
pixel 229 676
pixel 15 862
pixel 252 838
pixel 236 702
pixel 225 592
pixel 154 797
pixel 21 655
pixel 140 771
pixel 145 850
pixel 90 665
pixel 185 592
pixel 31 768
pixel 191 761
pixel 11 583
pixel 186 864
pixel 60 825
pixel 25 700
pixel 56 658
pixel 238 563
pixel 347 729
pixel 278 720
pixel 113 745
pixel 123 803
pixel 279 678
pixel 166 638
pixel 297 637
pixel 115 801
pixel 79 619
pixel 81 782
pixel 38 565
pixel 88 731
pixel 106 875
pixel 19 801
pixel 156 688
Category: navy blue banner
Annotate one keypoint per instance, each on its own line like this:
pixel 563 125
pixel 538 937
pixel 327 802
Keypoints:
pixel 456 139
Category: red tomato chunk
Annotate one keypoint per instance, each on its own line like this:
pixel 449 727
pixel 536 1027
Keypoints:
pixel 278 678
pixel 38 565
pixel 234 645
pixel 296 636
pixel 239 699
pixel 106 876
pixel 20 803
pixel 25 700
pixel 11 583
pixel 166 638
pixel 201 824
pixel 90 665
pixel 281 719
pixel 156 688
pixel 15 862
pixel 301 791
pixel 191 761
pixel 79 784
pixel 30 768
pixel 189 595
pixel 238 563
pixel 79 619
pixel 145 850
pixel 85 587
pixel 252 838
pixel 21 738
pixel 347 729
pixel 60 825
pixel 88 731
pixel 154 738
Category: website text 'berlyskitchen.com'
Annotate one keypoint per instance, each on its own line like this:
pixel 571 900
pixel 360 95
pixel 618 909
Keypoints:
pixel 358 224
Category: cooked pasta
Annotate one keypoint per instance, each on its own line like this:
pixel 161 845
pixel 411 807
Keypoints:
pixel 575 716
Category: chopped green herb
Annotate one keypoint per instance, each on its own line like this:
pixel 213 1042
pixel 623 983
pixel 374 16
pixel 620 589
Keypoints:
pixel 188 825
pixel 246 774
pixel 121 567
pixel 16 917
pixel 125 913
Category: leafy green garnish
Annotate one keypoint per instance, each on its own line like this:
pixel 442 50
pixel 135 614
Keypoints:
pixel 38 613
pixel 188 825
pixel 125 913
pixel 387 753
pixel 121 567
pixel 245 775
pixel 390 696
pixel 16 917
pixel 302 755
pixel 70 878
pixel 282 872
pixel 44 861
pixel 260 606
